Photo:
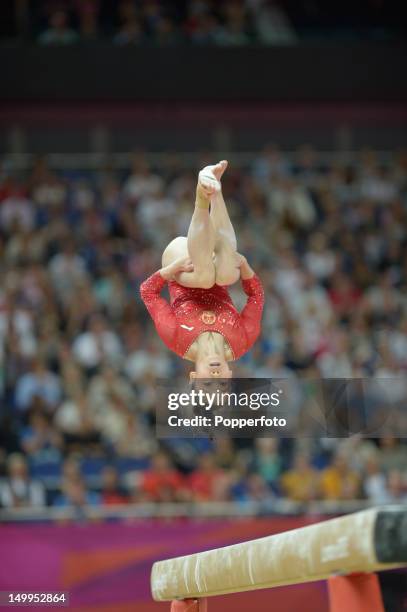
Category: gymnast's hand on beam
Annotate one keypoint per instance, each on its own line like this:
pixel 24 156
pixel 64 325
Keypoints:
pixel 182 264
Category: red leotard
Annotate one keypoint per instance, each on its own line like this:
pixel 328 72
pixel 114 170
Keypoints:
pixel 194 311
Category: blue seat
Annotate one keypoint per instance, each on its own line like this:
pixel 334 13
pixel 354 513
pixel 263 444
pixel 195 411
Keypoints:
pixel 130 464
pixel 92 466
pixel 46 469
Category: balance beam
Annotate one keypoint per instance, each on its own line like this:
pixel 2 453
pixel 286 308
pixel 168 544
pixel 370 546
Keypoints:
pixel 367 541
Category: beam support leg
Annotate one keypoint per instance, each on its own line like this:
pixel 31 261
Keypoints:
pixel 355 593
pixel 190 605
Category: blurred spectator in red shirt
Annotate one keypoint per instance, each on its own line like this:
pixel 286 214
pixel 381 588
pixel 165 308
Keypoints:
pixel 344 295
pixel 162 482
pixel 202 482
pixel 16 210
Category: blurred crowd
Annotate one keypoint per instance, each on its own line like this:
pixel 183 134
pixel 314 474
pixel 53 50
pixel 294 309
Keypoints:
pixel 202 22
pixel 79 356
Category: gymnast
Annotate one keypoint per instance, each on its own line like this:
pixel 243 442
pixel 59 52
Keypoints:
pixel 200 323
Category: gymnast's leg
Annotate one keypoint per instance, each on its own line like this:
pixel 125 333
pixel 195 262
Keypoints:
pixel 226 261
pixel 200 243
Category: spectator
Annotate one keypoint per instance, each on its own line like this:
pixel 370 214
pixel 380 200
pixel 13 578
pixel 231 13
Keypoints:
pixel 107 386
pixel 272 24
pixel 141 361
pixel 393 454
pixel 75 421
pixel 88 16
pixel 16 210
pixel 40 439
pixel 130 33
pixel 255 489
pixel 301 482
pixel 202 482
pixel 17 332
pixel 374 484
pixel 267 22
pixel 58 32
pixel 113 494
pixel 67 270
pixel 344 295
pixel 39 382
pixel 234 30
pixel 397 489
pixel 74 494
pixel 339 481
pixel 291 203
pixel 135 439
pixel 334 359
pixel 18 489
pixel 319 260
pixel 267 460
pixel 204 29
pixel 162 483
pixel 110 293
pixel 334 281
pixel 97 345
pixel 166 34
pixel 142 182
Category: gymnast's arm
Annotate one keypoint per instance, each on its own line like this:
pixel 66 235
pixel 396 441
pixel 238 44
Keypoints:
pixel 251 313
pixel 158 308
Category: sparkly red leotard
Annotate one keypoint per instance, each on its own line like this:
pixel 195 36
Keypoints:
pixel 194 311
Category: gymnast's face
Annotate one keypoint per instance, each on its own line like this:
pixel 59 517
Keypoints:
pixel 211 368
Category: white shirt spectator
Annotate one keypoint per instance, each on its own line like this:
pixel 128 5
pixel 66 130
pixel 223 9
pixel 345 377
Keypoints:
pixel 398 344
pixel 20 492
pixel 293 201
pixel 288 280
pixel 312 302
pixel 16 209
pixel 273 26
pixel 142 185
pixel 378 188
pixel 375 489
pixel 18 489
pixel 154 209
pixel 141 362
pixel 67 271
pixel 394 385
pixel 22 323
pixel 92 349
pixel 67 417
pixel 321 265
pixel 50 193
pixel 39 383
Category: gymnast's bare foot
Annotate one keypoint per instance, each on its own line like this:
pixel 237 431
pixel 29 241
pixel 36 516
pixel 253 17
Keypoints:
pixel 209 179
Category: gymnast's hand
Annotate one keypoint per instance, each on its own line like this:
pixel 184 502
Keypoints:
pixel 246 271
pixel 182 264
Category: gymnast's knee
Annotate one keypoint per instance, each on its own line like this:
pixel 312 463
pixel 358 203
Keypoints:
pixel 205 278
pixel 227 277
